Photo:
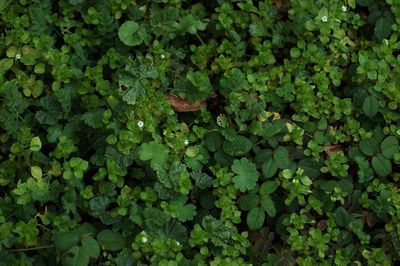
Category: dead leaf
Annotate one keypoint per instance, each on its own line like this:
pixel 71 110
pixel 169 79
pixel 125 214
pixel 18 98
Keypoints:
pixel 183 106
pixel 282 7
pixel 332 148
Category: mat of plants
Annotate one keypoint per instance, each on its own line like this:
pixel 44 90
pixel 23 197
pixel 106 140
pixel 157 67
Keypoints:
pixel 181 132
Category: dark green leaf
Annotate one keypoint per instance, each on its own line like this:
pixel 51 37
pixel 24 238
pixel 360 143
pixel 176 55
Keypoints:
pixel 370 106
pixel 389 147
pixel 382 166
pixel 110 240
pixel 255 218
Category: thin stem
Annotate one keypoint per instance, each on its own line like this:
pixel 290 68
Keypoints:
pixel 29 249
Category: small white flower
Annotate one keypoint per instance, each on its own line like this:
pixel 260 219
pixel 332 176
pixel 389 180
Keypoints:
pixel 324 18
pixel 18 56
pixel 144 239
pixel 162 56
pixel 186 142
pixel 177 243
pixel 344 8
pixel 386 41
pixel 398 132
pixel 140 124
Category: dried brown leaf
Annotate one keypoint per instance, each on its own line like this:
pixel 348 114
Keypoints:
pixel 183 106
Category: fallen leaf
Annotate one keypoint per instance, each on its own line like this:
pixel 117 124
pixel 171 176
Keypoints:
pixel 181 105
pixel 331 149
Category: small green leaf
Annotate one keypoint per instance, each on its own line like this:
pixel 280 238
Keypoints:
pixel 382 166
pixel 110 240
pixel 213 141
pixel 389 147
pixel 268 205
pixel 255 218
pixel 35 144
pixel 246 174
pixel 36 172
pixel 269 168
pixel 155 152
pixel 126 33
pixel 370 106
pixel 342 217
pixel 311 167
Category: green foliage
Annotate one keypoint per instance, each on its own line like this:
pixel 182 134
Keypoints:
pixel 291 157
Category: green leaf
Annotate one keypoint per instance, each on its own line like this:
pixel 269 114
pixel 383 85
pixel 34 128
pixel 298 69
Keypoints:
pixel 213 141
pixel 66 240
pixel 369 146
pixel 248 201
pixel 255 218
pixel 281 156
pixel 246 174
pixel 6 64
pixel 36 172
pixel 268 187
pixel 201 179
pixel 134 91
pixel 126 33
pixel 382 29
pixel 110 240
pixel 186 212
pixel 370 106
pixel 389 147
pixel 90 246
pixel 342 217
pixel 268 205
pixel 77 256
pixel 35 144
pixel 269 168
pixel 382 166
pixel 311 167
pixel 239 146
pixel 155 152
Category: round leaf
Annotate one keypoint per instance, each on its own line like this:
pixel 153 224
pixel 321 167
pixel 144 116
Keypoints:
pixel 389 147
pixel 382 166
pixel 269 168
pixel 370 106
pixel 35 144
pixel 110 240
pixel 126 33
pixel 382 28
pixel 36 172
pixel 255 218
pixel 248 201
pixel 369 146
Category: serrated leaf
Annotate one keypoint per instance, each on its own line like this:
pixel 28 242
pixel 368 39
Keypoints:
pixel 389 147
pixel 126 33
pixel 268 205
pixel 110 240
pixel 246 174
pixel 255 218
pixel 382 166
pixel 370 106
pixel 239 146
pixel 186 212
pixel 134 90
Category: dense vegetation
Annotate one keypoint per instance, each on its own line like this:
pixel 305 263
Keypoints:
pixel 180 132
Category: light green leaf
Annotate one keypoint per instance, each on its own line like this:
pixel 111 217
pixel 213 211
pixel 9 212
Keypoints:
pixel 246 174
pixel 127 33
pixel 382 166
pixel 35 144
pixel 155 152
pixel 390 146
pixel 36 172
pixel 110 240
pixel 370 106
pixel 255 218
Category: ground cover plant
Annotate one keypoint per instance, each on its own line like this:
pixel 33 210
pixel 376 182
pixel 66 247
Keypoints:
pixel 179 132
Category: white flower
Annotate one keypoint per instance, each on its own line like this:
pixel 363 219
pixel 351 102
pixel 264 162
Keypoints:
pixel 344 8
pixel 386 41
pixel 186 142
pixel 324 18
pixel 177 243
pixel 162 56
pixel 398 132
pixel 18 56
pixel 144 239
pixel 140 124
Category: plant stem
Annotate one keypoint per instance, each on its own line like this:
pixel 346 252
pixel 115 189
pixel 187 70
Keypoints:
pixel 29 249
